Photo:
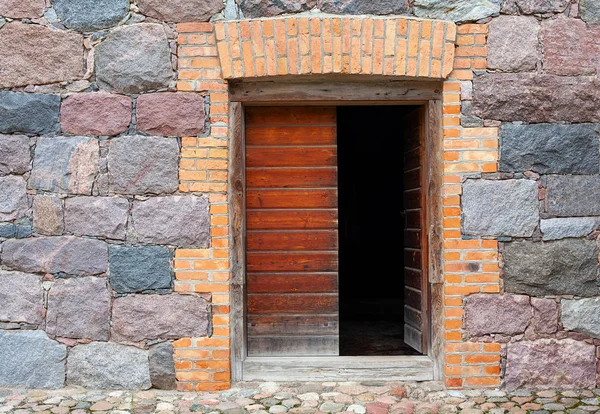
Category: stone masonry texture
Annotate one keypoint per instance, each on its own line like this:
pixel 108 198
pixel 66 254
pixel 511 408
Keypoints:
pixel 141 165
pixel 28 113
pixel 31 359
pixel 500 207
pixel 550 363
pixel 138 269
pixel 116 219
pixel 550 148
pixel 140 317
pixel 95 114
pixel 90 15
pixel 79 308
pixel 133 59
pixel 571 195
pixel 567 267
pixel 108 366
pixel 170 114
pixel 21 297
pixel 33 54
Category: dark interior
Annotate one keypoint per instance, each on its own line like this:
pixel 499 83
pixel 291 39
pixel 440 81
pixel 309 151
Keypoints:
pixel 371 279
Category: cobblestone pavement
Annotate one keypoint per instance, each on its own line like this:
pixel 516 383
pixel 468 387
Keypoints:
pixel 302 398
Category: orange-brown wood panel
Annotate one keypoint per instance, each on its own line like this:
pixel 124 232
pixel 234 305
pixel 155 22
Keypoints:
pixel 292 282
pixel 290 135
pixel 291 239
pixel 291 177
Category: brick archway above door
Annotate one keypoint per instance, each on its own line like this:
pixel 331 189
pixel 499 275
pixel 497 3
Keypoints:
pixel 387 46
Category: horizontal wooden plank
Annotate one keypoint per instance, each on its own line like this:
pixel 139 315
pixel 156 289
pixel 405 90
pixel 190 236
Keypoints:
pixel 413 337
pixel 412 238
pixel 292 283
pixel 293 345
pixel 413 317
pixel 292 240
pixel 412 179
pixel 292 304
pixel 341 90
pixel 291 219
pixel 412 278
pixel 396 368
pixel 411 160
pixel 292 324
pixel 290 115
pixel 412 199
pixel 291 157
pixel 291 177
pixel 291 135
pixel 291 262
pixel 288 198
pixel 412 297
pixel 413 258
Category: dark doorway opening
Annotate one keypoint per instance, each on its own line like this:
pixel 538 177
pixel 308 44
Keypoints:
pixel 372 221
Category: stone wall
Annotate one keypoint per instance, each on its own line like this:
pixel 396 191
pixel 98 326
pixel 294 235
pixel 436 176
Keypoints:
pixel 114 226
pixel 91 212
pixel 541 204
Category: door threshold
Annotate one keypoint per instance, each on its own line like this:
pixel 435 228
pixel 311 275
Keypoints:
pixel 339 368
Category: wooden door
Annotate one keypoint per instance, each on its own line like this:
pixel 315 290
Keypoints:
pixel 415 290
pixel 291 231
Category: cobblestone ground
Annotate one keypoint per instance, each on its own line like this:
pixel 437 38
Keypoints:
pixel 301 398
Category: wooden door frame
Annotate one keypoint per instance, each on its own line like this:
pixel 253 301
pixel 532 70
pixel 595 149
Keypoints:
pixel 315 92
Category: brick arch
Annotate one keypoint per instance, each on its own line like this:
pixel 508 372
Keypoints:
pixel 387 46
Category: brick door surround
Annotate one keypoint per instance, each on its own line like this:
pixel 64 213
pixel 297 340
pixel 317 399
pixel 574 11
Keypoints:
pixel 210 55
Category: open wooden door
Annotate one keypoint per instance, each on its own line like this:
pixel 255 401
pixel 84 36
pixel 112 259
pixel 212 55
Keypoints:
pixel 291 231
pixel 415 290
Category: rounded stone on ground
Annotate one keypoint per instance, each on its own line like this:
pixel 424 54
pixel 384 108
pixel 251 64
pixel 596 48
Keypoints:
pixel 358 409
pixel 278 409
pixel 309 396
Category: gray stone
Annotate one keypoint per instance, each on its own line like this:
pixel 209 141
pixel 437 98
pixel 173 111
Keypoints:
pixel 65 165
pixel 66 254
pixel 30 359
pixel 140 317
pixel 331 407
pixel 561 267
pixel 589 11
pixel 21 297
pixel 33 54
pixel 97 216
pixel 182 221
pixel 13 204
pixel 15 156
pixel 536 98
pixel 162 366
pixel 7 230
pixel 266 8
pixel 545 315
pixel 500 207
pixel 23 228
pixel 363 6
pixel 79 308
pixel 550 148
pixel 534 6
pixel 487 314
pixel 181 10
pixel 582 315
pixel 17 9
pixel 137 269
pixel 550 364
pixel 105 365
pixel 573 195
pixel 457 10
pixel 140 165
pixel 134 59
pixel 90 15
pixel 504 33
pixel 48 215
pixel 29 113
pixel 562 228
